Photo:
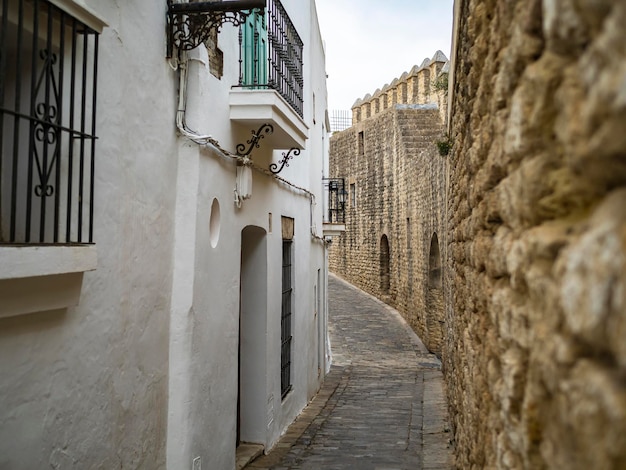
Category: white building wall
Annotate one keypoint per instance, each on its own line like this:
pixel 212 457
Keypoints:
pixel 143 372
pixel 86 387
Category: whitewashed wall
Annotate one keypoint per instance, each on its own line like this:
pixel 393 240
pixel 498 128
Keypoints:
pixel 211 310
pixel 143 373
pixel 86 387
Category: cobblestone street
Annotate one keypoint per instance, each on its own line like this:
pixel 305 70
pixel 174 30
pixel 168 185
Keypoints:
pixel 382 406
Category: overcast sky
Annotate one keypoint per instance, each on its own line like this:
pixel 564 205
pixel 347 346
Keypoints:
pixel 371 42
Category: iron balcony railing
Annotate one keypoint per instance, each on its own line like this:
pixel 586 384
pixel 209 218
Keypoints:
pixel 336 197
pixel 271 54
pixel 48 69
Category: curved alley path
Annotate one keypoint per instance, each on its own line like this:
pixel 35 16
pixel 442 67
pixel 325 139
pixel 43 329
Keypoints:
pixel 382 406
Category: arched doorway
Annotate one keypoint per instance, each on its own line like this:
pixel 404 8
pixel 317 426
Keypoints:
pixel 434 299
pixel 252 336
pixel 385 270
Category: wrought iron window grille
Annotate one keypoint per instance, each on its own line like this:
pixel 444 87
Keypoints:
pixel 191 24
pixel 286 337
pixel 48 72
pixel 337 198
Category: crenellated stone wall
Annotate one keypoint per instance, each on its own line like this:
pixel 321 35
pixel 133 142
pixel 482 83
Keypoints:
pixel 395 236
pixel 422 84
pixel 535 287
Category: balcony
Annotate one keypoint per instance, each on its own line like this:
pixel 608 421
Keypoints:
pixel 271 82
pixel 335 198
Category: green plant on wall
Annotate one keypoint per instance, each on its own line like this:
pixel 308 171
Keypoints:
pixel 444 146
pixel 441 83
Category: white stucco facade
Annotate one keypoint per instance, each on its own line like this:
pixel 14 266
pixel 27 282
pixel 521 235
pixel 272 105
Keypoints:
pixel 178 310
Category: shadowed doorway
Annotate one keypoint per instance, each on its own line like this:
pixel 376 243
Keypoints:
pixel 434 299
pixel 252 336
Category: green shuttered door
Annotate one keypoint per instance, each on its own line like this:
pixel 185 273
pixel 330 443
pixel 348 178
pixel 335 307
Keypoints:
pixel 255 49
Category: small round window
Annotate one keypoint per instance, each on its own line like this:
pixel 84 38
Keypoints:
pixel 214 223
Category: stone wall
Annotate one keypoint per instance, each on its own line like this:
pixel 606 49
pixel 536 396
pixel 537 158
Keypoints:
pixel 535 355
pixel 422 84
pixel 395 212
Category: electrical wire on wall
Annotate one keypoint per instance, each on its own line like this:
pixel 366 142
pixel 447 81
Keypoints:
pixel 213 144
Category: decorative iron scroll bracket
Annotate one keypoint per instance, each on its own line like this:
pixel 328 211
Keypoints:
pixel 285 161
pixel 253 143
pixel 191 24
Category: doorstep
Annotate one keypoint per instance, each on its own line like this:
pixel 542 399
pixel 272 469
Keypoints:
pixel 246 453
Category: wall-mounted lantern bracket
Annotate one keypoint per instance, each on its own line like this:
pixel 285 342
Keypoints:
pixel 190 24
pixel 337 198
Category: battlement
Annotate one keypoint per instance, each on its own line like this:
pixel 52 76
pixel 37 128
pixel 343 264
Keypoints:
pixel 421 85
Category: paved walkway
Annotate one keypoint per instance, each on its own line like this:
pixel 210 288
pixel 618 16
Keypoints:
pixel 382 405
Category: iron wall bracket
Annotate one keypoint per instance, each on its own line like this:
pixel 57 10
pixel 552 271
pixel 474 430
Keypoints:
pixel 191 24
pixel 285 161
pixel 265 129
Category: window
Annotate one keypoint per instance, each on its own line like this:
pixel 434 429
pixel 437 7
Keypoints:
pixel 353 195
pixel 48 68
pixel 361 143
pixel 285 321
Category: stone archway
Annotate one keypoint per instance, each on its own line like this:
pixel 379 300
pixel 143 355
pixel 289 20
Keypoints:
pixel 434 299
pixel 385 268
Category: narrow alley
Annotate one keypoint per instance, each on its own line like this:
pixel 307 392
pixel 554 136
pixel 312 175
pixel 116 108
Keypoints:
pixel 382 405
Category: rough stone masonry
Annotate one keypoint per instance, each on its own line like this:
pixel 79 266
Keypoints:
pixel 395 215
pixel 535 284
